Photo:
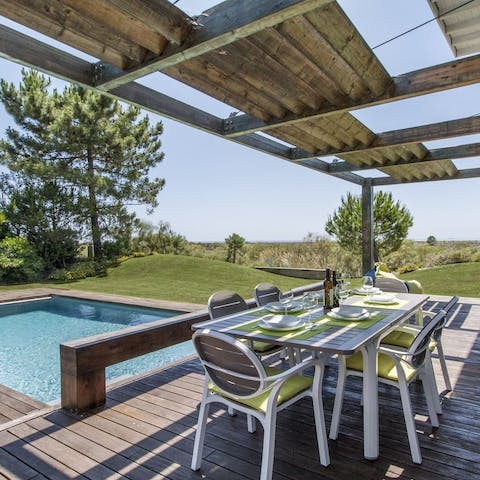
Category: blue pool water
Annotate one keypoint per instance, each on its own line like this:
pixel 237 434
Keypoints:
pixel 31 332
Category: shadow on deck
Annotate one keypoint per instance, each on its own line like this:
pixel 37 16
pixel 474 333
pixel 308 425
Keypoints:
pixel 146 430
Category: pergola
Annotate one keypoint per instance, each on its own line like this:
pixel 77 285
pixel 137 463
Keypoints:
pixel 294 69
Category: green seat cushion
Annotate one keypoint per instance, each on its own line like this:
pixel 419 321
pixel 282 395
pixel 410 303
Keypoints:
pixel 293 386
pixel 262 347
pixel 386 366
pixel 402 339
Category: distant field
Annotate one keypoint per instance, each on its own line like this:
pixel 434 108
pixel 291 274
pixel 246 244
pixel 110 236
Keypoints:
pixel 192 279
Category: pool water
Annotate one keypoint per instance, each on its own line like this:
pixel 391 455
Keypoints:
pixel 31 332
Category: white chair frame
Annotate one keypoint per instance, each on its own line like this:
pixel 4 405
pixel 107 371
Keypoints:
pixel 269 418
pixel 423 371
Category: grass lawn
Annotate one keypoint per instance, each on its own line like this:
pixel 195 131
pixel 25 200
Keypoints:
pixel 462 279
pixel 180 278
pixel 191 279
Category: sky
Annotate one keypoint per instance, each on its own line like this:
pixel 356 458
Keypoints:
pixel 215 187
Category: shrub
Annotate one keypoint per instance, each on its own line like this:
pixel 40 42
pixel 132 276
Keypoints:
pixel 18 261
pixel 81 270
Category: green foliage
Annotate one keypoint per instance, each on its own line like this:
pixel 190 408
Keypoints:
pixel 431 240
pixel 79 270
pixel 39 212
pixel 92 150
pixel 234 244
pixel 4 230
pixel 18 261
pixel 391 222
pixel 161 239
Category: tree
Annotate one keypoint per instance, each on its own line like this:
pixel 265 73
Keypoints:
pixel 235 244
pixel 391 222
pixel 40 212
pixel 431 240
pixel 88 144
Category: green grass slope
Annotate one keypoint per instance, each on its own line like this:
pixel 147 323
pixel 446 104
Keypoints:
pixel 180 278
pixel 462 279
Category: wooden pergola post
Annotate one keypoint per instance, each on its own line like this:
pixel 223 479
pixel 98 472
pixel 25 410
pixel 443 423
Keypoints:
pixel 368 259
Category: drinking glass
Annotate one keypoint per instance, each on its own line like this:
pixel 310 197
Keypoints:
pixel 309 302
pixel 286 299
pixel 342 293
pixel 367 282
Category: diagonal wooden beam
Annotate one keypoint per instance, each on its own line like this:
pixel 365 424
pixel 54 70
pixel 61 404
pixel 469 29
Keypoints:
pixel 423 133
pixel 20 48
pixel 219 26
pixel 455 74
pixel 459 175
pixel 447 153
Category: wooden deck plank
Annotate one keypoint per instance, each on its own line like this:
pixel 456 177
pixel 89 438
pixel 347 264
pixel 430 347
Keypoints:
pixel 147 428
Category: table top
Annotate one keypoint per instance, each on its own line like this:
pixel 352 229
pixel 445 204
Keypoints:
pixel 342 337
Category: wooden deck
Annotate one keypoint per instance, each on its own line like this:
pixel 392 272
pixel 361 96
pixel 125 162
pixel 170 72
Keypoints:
pixel 146 430
pixel 15 405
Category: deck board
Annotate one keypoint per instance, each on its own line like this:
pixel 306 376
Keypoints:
pixel 14 405
pixel 147 427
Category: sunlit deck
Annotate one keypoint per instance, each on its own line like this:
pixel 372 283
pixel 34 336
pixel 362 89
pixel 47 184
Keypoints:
pixel 147 428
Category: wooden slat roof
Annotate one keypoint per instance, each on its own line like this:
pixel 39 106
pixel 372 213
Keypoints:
pixel 460 22
pixel 294 69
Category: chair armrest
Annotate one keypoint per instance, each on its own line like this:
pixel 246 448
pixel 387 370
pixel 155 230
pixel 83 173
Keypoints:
pixel 298 368
pixel 392 351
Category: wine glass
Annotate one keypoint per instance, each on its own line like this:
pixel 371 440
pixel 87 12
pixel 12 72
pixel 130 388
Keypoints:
pixel 285 299
pixel 367 283
pixel 309 302
pixel 342 292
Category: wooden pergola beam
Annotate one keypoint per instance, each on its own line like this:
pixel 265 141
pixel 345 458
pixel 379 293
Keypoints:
pixel 455 74
pixel 459 175
pixel 160 15
pixel 219 26
pixel 20 48
pixel 423 133
pixel 447 153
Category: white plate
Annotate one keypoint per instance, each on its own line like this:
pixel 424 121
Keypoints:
pixel 281 322
pixel 333 314
pixel 382 299
pixel 276 307
pixel 362 291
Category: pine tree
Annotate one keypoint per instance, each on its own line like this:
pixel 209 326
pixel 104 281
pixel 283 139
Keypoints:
pixel 391 222
pixel 88 145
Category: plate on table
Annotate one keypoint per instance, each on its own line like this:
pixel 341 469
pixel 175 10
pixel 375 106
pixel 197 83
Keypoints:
pixel 383 299
pixel 281 322
pixel 366 291
pixel 353 314
pixel 292 307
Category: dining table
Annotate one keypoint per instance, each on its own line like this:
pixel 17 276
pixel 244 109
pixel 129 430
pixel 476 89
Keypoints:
pixel 324 335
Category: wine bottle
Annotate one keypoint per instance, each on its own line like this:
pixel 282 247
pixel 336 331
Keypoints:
pixel 336 302
pixel 328 290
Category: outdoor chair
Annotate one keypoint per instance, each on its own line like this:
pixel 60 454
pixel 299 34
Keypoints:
pixel 404 336
pixel 399 368
pixel 265 293
pixel 235 377
pixel 391 285
pixel 224 303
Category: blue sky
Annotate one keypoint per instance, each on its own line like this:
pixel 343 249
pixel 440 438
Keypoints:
pixel 215 187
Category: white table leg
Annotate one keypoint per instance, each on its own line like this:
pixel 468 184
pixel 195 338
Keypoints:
pixel 370 402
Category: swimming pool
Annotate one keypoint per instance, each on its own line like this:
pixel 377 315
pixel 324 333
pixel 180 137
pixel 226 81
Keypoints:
pixel 31 332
